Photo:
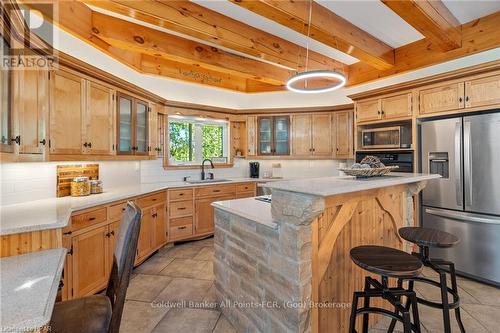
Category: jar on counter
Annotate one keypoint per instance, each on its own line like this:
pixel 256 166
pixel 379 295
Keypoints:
pixel 96 186
pixel 80 186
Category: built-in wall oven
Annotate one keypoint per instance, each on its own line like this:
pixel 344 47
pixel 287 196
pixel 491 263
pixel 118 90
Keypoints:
pixel 403 159
pixel 386 137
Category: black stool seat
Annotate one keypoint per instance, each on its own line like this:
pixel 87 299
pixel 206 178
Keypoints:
pixel 428 237
pixel 386 261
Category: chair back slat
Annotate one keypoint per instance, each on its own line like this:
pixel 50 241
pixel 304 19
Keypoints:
pixel 123 262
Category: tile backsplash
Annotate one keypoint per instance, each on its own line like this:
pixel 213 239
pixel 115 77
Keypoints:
pixel 21 182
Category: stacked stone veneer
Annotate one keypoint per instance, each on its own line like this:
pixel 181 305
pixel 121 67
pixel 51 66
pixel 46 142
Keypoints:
pixel 263 274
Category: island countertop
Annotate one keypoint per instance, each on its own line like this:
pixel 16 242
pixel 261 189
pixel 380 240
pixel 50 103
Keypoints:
pixel 328 186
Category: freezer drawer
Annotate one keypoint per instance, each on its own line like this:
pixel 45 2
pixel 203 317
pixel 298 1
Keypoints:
pixel 477 252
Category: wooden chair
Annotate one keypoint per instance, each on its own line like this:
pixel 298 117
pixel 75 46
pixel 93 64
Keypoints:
pixel 103 313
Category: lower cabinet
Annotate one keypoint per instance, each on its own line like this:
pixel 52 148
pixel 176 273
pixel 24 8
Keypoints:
pixel 145 243
pixel 90 261
pixel 204 213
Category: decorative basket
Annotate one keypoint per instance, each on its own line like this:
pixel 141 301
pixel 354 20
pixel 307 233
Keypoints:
pixel 365 173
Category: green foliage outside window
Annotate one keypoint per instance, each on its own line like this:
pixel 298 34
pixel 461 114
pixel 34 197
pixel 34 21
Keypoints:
pixel 212 141
pixel 181 137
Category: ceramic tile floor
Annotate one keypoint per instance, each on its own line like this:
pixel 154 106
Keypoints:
pixel 165 290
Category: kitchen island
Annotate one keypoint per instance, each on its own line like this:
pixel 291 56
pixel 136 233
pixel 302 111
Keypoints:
pixel 285 266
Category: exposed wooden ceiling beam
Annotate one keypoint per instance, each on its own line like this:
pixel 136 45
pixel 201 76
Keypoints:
pixel 432 19
pixel 326 27
pixel 478 35
pixel 137 38
pixel 202 23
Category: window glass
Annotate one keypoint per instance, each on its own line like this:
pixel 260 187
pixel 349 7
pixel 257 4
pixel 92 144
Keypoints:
pixel 5 95
pixel 191 140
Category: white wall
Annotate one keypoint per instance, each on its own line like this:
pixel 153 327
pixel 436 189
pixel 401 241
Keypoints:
pixel 21 182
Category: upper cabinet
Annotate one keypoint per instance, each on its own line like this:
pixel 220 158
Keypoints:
pixel 311 135
pixel 31 102
pixel 98 132
pixel 6 93
pixel 251 135
pixel 441 98
pixel 483 91
pixel 392 107
pixel 273 135
pixel 67 95
pixel 342 124
pixel 132 126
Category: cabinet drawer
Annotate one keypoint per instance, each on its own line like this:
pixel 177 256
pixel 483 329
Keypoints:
pixel 241 195
pixel 181 208
pixel 115 212
pixel 214 190
pixel 151 200
pixel 181 194
pixel 245 187
pixel 89 218
pixel 181 228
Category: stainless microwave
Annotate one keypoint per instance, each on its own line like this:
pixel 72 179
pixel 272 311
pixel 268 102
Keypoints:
pixel 386 137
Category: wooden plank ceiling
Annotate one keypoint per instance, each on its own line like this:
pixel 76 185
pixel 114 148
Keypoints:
pixel 185 41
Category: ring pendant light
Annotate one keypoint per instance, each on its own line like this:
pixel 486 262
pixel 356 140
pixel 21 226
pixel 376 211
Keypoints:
pixel 324 74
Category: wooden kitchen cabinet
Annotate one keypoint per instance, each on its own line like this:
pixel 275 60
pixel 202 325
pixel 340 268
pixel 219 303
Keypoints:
pixel 204 213
pixel 396 107
pixel 132 135
pixel 98 136
pixel 368 110
pixel 343 135
pixel 160 226
pixel 31 104
pixel 273 135
pixel 251 135
pixel 484 91
pixel 90 261
pixel 67 96
pixel 442 98
pixel 311 135
pixel 145 243
pixel 301 135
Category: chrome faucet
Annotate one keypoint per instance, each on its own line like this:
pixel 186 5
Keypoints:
pixel 203 167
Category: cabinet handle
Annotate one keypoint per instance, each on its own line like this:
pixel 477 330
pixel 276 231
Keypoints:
pixel 181 228
pixel 112 233
pixel 181 194
pixel 90 144
pixel 181 208
pixel 215 191
pixel 123 209
pixel 17 139
pixel 460 99
pixel 43 142
pixel 85 144
pixel 91 218
pixel 466 98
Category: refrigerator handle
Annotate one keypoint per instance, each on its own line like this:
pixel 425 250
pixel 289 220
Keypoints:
pixel 459 216
pixel 458 164
pixel 467 163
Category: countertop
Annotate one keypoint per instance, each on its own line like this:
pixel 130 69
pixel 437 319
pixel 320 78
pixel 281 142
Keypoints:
pixel 249 208
pixel 28 287
pixel 55 212
pixel 329 186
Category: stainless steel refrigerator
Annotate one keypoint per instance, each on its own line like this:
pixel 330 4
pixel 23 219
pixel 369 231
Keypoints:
pixel 466 200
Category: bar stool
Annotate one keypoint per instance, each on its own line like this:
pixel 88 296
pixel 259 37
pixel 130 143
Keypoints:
pixel 425 238
pixel 386 262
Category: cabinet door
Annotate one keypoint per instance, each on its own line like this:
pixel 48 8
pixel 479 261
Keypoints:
pixel 32 106
pixel 153 131
pixel 397 107
pixel 281 135
pixel 90 261
pixel 160 226
pixel 343 136
pixel 442 98
pixel 124 125
pixel 322 135
pixel 265 135
pixel 145 243
pixel 251 135
pixel 141 128
pixel 482 92
pixel 66 113
pixel 204 214
pixel 368 110
pixel 301 135
pixel 99 134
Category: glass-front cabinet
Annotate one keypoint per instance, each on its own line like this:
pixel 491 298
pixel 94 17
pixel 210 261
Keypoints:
pixel 5 102
pixel 132 129
pixel 274 135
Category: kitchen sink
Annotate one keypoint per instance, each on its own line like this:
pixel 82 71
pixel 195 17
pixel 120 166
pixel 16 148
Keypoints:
pixel 205 181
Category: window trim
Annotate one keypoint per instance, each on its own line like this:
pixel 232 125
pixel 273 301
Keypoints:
pixel 197 164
